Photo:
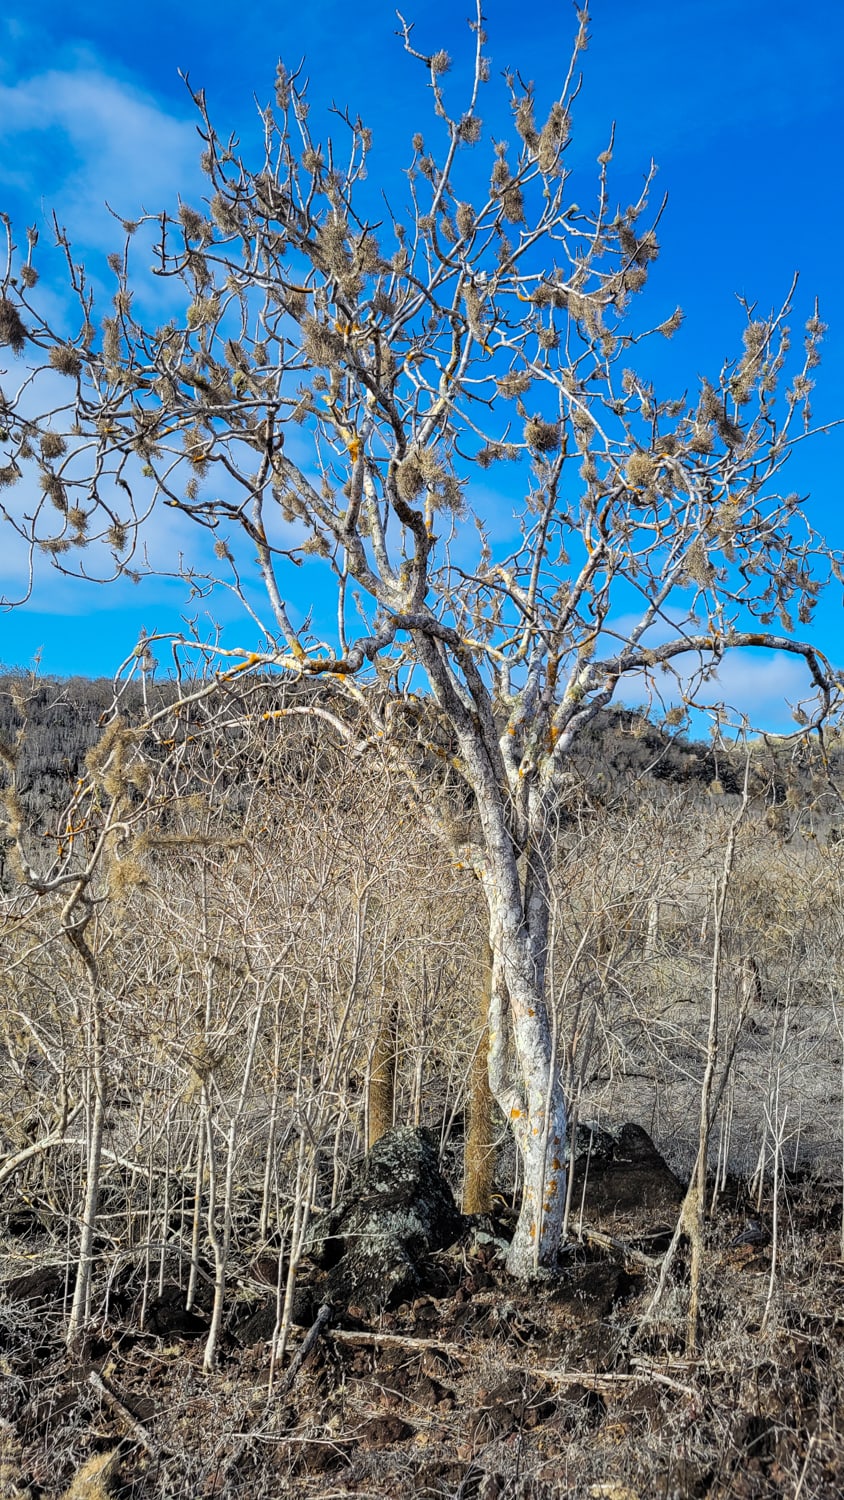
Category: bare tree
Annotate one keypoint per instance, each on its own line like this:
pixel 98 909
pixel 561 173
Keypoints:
pixel 335 392
pixel 69 872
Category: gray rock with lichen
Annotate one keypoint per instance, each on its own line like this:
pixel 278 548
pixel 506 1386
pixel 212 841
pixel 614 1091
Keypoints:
pixel 397 1209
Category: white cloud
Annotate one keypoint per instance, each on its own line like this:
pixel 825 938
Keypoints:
pixel 761 684
pixel 74 138
pixel 752 684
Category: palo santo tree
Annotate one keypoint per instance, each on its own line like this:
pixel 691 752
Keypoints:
pixel 341 388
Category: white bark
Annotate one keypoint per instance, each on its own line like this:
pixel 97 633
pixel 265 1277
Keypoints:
pixel 534 1101
pixel 80 1307
pixel 517 894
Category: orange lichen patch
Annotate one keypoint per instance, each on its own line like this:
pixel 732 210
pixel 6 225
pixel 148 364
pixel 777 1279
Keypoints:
pixel 244 666
pixel 515 1114
pixel 556 1163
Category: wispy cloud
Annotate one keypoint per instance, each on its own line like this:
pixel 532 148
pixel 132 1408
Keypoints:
pixel 76 138
pixel 762 684
pixel 758 686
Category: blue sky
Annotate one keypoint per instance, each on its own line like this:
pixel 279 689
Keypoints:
pixel 739 103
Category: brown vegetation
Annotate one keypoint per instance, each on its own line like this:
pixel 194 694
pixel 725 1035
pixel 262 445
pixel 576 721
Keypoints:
pixel 331 390
pixel 250 928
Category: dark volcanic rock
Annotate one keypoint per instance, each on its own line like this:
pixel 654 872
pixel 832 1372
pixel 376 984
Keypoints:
pixel 168 1317
pixel 257 1324
pixel 397 1209
pixel 42 1287
pixel 635 1184
pixel 589 1140
pixel 634 1144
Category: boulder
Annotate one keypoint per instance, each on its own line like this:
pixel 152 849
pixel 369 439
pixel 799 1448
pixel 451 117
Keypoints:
pixel 397 1210
pixel 629 1187
pixel 590 1140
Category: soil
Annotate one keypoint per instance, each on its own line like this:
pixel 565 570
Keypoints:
pixel 476 1388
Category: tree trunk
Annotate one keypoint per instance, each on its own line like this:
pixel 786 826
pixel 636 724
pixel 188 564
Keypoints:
pixel 80 1307
pixel 538 1237
pixel 512 858
pixel 479 1155
pixel 382 1075
pixel 533 1101
pixel 217 1244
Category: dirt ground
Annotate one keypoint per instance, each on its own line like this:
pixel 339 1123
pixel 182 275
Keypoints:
pixel 477 1388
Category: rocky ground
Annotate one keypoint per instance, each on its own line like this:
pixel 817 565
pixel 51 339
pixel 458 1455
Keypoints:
pixel 465 1384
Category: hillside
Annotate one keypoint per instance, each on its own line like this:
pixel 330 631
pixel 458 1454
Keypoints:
pixel 65 718
pixel 284 965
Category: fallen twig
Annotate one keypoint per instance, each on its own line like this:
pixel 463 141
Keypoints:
pixel 324 1316
pixel 614 1246
pixel 593 1381
pixel 398 1340
pixel 610 1379
pixel 137 1429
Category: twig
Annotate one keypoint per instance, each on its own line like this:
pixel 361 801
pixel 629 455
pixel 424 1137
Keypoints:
pixel 802 1480
pixel 137 1429
pixel 593 1381
pixel 610 1379
pixel 397 1340
pixel 614 1246
pixel 11 1163
pixel 324 1316
pixel 688 1205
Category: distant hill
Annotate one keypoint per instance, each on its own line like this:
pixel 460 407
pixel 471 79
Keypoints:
pixel 620 750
